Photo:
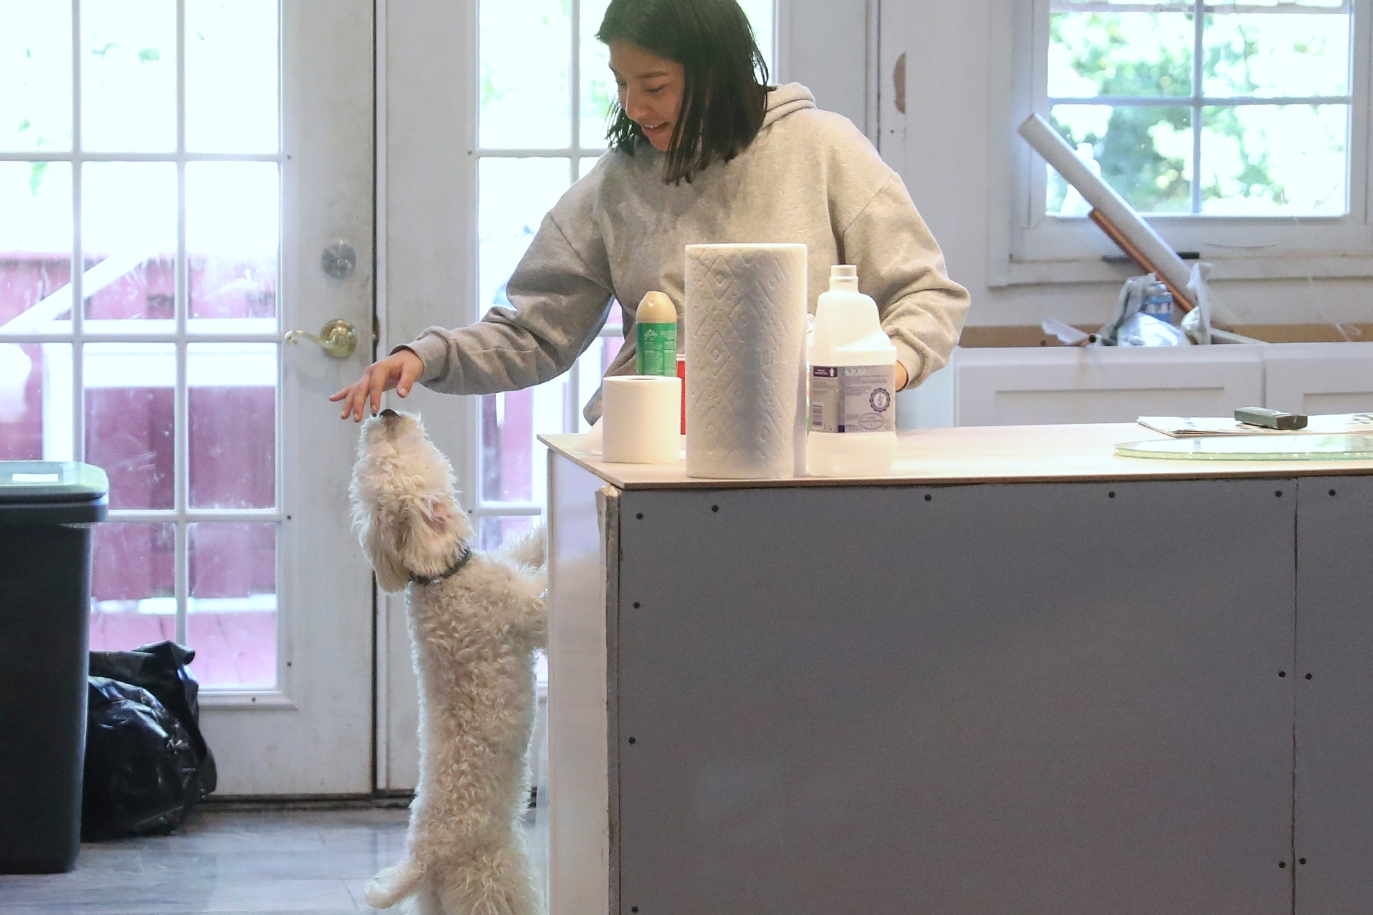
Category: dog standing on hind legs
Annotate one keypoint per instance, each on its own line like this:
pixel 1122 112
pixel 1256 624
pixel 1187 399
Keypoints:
pixel 475 621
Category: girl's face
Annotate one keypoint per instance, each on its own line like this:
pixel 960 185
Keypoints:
pixel 650 90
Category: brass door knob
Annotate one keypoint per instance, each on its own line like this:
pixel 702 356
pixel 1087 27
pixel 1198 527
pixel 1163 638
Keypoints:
pixel 338 338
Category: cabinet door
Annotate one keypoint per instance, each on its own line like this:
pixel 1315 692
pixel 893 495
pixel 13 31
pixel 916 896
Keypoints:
pixel 1334 732
pixel 1022 386
pixel 1319 377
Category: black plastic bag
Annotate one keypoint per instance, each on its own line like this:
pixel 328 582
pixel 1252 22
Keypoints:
pixel 147 763
pixel 160 668
pixel 141 772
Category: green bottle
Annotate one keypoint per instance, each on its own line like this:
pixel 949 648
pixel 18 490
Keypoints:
pixel 656 319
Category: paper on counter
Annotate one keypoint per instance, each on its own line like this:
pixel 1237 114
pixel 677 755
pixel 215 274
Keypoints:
pixel 1196 426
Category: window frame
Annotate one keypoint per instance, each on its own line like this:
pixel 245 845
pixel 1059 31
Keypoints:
pixel 1026 246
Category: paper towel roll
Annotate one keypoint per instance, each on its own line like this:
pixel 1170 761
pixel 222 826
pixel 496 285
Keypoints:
pixel 745 354
pixel 640 418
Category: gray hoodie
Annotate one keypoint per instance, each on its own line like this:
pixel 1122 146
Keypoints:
pixel 809 176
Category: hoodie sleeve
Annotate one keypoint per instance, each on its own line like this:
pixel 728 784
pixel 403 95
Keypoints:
pixel 559 298
pixel 901 266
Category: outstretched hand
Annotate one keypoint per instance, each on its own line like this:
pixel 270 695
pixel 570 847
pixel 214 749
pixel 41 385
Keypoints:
pixel 400 370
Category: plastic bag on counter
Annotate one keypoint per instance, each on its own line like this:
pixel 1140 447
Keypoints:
pixel 1147 330
pixel 147 762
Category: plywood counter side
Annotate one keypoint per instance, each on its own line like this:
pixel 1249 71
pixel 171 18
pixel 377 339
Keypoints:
pixel 983 454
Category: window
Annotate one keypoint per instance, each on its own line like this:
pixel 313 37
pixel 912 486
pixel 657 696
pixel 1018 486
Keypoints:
pixel 140 140
pixel 1241 129
pixel 540 126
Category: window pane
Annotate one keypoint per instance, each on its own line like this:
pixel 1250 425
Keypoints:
pixel 128 75
pixel 760 16
pixel 129 420
pixel 133 596
pixel 35 246
pixel 1277 55
pixel 36 72
pixel 1275 160
pixel 231 76
pixel 128 226
pixel 231 618
pixel 1145 153
pixel 492 532
pixel 231 402
pixel 233 214
pixel 524 94
pixel 584 166
pixel 1120 54
pixel 598 84
pixel 35 402
pixel 514 195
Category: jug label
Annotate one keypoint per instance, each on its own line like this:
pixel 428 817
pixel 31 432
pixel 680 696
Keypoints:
pixel 852 398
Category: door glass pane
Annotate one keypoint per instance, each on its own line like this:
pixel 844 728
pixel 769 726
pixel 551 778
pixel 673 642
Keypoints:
pixel 36 73
pixel 492 531
pixel 35 402
pixel 511 459
pixel 133 585
pixel 1275 160
pixel 598 83
pixel 233 214
pixel 35 247
pixel 128 75
pixel 526 56
pixel 231 618
pixel 231 76
pixel 231 403
pixel 128 226
pixel 1144 152
pixel 130 394
pixel 514 196
pixel 1267 55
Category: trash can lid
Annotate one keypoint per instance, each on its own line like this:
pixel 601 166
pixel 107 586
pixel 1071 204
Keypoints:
pixel 58 492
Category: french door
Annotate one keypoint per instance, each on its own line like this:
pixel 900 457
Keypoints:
pixel 170 173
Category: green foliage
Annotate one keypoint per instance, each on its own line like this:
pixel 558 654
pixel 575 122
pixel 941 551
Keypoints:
pixel 148 55
pixel 36 171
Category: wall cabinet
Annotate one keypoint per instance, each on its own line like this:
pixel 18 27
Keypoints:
pixel 1036 385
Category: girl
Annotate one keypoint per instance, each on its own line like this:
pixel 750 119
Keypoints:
pixel 702 151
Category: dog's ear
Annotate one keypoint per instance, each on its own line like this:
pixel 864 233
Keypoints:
pixel 436 516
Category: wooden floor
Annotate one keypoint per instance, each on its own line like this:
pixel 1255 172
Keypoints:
pixel 314 861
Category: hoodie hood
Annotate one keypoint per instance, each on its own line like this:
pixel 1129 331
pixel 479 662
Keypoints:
pixel 785 100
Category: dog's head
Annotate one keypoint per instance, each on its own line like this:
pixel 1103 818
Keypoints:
pixel 404 508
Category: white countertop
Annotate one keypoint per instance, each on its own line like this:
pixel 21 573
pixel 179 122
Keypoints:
pixel 982 454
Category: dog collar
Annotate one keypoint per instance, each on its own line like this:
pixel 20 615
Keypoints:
pixel 449 572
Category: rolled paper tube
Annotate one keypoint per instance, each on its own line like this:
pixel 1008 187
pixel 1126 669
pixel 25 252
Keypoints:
pixel 1135 255
pixel 1046 141
pixel 640 419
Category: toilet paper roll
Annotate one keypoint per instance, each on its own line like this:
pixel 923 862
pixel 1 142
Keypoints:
pixel 745 355
pixel 640 419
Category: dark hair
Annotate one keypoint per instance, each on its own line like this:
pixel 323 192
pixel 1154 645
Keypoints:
pixel 726 94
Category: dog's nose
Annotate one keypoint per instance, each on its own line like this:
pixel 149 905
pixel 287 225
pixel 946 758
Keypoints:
pixel 388 414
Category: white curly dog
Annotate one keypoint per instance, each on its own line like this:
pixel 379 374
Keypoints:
pixel 475 622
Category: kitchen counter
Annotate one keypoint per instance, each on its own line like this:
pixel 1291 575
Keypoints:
pixel 1017 675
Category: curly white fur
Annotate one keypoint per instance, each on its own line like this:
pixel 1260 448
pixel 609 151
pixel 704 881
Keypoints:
pixel 473 637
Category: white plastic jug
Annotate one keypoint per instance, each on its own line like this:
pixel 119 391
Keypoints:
pixel 852 376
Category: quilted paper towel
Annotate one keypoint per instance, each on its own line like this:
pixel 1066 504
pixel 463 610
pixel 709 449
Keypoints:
pixel 745 355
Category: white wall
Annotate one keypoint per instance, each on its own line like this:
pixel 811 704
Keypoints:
pixel 953 50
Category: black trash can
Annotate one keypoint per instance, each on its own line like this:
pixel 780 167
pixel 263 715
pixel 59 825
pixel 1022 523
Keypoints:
pixel 47 510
